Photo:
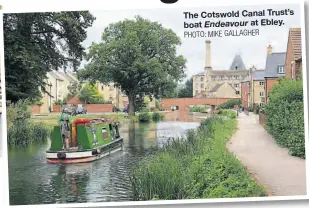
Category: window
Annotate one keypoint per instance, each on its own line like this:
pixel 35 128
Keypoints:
pixel 102 87
pixel 281 70
pixel 104 133
pixel 222 77
pixel 261 83
pixel 261 105
pixel 202 86
pixel 202 79
pixel 237 92
pixel 196 85
pixel 196 92
pixel 236 85
pixel 261 94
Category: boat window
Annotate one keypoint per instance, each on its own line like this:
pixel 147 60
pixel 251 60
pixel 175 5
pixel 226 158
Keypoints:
pixel 104 133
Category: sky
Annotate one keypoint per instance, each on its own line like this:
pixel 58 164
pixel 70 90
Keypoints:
pixel 223 49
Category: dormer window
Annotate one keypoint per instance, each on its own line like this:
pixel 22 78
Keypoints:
pixel 281 69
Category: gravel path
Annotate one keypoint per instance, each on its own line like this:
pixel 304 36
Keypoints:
pixel 271 165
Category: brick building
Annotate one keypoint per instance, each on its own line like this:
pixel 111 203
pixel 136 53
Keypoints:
pixel 245 93
pixel 293 61
pixel 275 69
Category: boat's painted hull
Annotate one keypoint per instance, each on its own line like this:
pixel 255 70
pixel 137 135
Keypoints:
pixel 84 156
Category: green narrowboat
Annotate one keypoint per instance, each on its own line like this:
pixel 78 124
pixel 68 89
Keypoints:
pixel 91 139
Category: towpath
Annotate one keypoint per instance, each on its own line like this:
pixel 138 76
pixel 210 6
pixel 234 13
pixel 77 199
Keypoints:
pixel 271 165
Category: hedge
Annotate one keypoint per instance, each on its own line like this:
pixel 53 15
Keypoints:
pixel 285 116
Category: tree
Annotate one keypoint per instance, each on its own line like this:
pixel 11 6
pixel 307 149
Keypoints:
pixel 74 89
pixel 36 43
pixel 139 56
pixel 89 95
pixel 187 91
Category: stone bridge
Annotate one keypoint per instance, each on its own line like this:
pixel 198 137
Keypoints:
pixel 184 104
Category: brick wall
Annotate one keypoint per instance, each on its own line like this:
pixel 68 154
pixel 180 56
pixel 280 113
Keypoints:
pixel 269 84
pixel 298 70
pixel 36 109
pixel 245 90
pixel 184 102
pixel 289 59
pixel 99 108
pixel 92 108
pixel 57 108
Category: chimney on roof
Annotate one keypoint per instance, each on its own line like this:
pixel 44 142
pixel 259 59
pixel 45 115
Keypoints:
pixel 208 54
pixel 269 50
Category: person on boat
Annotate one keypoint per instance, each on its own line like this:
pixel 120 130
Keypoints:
pixel 65 129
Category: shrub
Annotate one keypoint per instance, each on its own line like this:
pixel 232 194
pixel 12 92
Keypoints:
pixel 20 130
pixel 25 133
pixel 157 116
pixel 197 109
pixel 230 104
pixel 59 102
pixel 157 103
pixel 285 116
pixel 229 113
pixel 196 167
pixel 144 117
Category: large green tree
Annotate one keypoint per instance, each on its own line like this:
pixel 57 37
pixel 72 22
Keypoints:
pixel 36 43
pixel 187 91
pixel 89 95
pixel 139 56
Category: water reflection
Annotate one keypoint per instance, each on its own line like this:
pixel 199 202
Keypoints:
pixel 32 181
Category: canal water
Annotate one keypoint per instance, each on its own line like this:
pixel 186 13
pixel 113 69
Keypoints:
pixel 33 181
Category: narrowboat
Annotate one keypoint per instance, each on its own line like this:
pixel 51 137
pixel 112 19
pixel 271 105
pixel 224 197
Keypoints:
pixel 91 139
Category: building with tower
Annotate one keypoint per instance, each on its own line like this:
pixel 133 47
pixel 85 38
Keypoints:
pixel 220 83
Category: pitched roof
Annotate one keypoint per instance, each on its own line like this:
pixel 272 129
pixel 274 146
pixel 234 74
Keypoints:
pixel 215 88
pixel 272 62
pixel 72 75
pixel 232 86
pixel 54 75
pixel 73 101
pixel 199 74
pixel 237 63
pixel 258 75
pixel 67 76
pixel 229 72
pixel 295 38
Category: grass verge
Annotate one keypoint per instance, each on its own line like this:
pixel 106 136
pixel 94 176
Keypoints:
pixel 199 166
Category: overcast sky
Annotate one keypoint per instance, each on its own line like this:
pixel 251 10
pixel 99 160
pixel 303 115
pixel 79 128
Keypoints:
pixel 223 50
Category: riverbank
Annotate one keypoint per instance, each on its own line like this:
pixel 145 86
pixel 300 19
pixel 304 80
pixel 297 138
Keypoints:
pixel 197 167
